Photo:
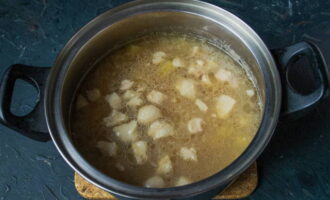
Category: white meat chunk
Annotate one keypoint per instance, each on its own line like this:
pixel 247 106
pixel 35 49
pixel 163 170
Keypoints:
pixel 250 93
pixel 156 97
pixel 188 154
pixel 148 114
pixel 126 85
pixel 201 105
pixel 141 89
pixel 160 129
pixel 93 94
pixel 126 132
pixel 164 165
pixel 158 57
pixel 206 79
pixel 200 62
pixel 135 101
pixel 195 125
pixel 224 105
pixel 114 100
pixel 107 148
pixel 177 62
pixel 140 151
pixel 129 94
pixel 115 118
pixel 154 182
pixel 186 88
pixel 223 75
pixel 181 181
pixel 81 102
pixel 196 71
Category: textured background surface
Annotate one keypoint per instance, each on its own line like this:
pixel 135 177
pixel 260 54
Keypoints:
pixel 296 164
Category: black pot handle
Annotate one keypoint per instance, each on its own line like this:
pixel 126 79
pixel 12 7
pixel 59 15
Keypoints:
pixel 32 125
pixel 295 104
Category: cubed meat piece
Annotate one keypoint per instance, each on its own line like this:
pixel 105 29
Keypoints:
pixel 115 118
pixel 114 100
pixel 177 62
pixel 201 105
pixel 181 181
pixel 126 132
pixel 195 125
pixel 224 105
pixel 200 62
pixel 158 57
pixel 107 148
pixel 164 165
pixel 186 88
pixel 188 154
pixel 148 114
pixel 223 75
pixel 196 71
pixel 126 85
pixel 129 94
pixel 155 182
pixel 140 151
pixel 250 93
pixel 156 97
pixel 135 102
pixel 206 79
pixel 160 129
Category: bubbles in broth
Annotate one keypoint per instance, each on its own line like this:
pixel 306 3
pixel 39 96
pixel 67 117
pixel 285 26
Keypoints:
pixel 165 111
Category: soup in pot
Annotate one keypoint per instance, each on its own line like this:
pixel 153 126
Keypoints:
pixel 165 111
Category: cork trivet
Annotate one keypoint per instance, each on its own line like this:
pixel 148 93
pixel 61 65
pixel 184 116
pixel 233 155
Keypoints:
pixel 242 187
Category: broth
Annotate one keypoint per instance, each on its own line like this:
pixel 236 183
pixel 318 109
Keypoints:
pixel 165 111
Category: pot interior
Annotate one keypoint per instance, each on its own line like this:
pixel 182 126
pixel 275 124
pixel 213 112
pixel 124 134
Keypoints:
pixel 134 27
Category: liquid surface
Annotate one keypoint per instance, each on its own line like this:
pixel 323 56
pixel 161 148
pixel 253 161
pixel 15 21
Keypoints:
pixel 165 111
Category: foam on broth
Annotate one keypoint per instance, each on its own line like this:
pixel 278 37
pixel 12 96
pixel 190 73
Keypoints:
pixel 207 106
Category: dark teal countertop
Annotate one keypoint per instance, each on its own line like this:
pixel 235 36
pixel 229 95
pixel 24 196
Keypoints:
pixel 296 163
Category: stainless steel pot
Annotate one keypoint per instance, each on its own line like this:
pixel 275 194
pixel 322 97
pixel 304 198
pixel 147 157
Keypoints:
pixel 132 20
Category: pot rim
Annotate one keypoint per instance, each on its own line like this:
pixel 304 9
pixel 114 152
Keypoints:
pixel 60 137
